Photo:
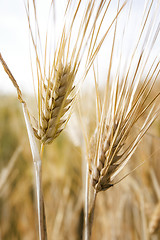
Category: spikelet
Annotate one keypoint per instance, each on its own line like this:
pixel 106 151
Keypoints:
pixel 154 224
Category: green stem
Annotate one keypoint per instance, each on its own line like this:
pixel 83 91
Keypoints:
pixel 89 210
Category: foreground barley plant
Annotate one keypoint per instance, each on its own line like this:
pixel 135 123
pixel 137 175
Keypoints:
pixel 125 102
pixel 56 72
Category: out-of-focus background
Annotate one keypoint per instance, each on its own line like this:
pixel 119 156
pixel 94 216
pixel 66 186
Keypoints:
pixel 130 210
pixel 125 211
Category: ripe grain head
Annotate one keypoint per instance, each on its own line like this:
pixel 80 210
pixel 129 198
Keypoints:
pixel 126 101
pixel 79 42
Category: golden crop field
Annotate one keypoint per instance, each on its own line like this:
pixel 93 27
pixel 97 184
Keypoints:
pixel 80 159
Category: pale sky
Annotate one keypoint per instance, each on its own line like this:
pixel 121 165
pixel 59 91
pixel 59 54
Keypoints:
pixel 14 44
pixel 14 39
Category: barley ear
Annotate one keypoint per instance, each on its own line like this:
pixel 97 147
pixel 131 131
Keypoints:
pixel 55 103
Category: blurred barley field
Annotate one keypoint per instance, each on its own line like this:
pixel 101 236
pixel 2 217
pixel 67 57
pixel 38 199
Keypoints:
pixel 125 211
pixel 123 77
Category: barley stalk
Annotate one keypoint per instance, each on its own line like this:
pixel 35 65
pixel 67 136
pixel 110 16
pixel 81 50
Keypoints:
pixel 154 223
pixel 57 91
pixel 125 102
pixel 86 228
